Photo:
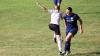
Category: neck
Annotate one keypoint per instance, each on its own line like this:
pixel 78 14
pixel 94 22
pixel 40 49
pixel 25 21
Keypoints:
pixel 69 14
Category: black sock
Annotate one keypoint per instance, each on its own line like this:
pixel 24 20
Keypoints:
pixel 67 46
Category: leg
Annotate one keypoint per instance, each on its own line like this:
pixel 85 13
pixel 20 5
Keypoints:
pixel 67 44
pixel 56 30
pixel 59 42
pixel 55 38
pixel 54 35
pixel 58 37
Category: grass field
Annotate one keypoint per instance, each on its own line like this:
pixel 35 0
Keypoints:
pixel 24 28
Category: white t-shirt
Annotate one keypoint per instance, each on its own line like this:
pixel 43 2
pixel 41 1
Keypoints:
pixel 55 16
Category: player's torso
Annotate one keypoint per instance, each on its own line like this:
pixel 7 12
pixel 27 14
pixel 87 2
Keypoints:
pixel 71 21
pixel 55 18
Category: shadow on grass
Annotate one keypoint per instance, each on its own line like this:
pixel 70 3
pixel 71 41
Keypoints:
pixel 87 54
pixel 90 13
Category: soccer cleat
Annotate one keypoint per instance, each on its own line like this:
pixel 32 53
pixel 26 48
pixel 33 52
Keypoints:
pixel 65 53
pixel 60 53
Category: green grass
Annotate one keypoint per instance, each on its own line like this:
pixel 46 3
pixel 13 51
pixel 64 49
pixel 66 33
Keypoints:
pixel 24 28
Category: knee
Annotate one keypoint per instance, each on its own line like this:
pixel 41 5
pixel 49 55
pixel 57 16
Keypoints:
pixel 58 37
pixel 68 39
pixel 69 36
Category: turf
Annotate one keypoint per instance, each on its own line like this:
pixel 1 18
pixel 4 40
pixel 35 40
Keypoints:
pixel 24 28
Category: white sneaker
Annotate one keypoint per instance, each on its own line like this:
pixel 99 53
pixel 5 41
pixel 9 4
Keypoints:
pixel 67 53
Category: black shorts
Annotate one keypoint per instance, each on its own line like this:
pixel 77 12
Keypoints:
pixel 55 28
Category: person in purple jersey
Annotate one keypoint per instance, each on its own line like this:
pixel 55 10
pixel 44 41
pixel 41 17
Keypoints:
pixel 71 19
pixel 57 3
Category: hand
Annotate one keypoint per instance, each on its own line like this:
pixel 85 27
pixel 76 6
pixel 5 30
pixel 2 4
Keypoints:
pixel 45 8
pixel 81 31
pixel 58 4
pixel 41 6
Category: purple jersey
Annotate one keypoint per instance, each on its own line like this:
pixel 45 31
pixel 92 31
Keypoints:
pixel 71 23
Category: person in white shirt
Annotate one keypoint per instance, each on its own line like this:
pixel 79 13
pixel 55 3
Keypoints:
pixel 54 24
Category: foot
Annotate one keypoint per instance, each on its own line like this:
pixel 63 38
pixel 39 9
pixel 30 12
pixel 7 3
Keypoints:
pixel 60 53
pixel 65 53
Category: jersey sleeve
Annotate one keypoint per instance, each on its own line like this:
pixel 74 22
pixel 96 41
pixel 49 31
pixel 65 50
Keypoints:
pixel 50 11
pixel 77 17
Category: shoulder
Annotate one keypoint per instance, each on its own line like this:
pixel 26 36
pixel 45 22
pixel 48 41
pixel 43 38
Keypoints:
pixel 76 15
pixel 50 9
pixel 64 16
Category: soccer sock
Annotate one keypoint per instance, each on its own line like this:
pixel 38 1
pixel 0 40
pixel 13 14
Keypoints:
pixel 59 42
pixel 67 46
pixel 54 35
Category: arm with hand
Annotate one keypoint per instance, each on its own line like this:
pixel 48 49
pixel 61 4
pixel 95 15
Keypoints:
pixel 81 25
pixel 65 24
pixel 42 7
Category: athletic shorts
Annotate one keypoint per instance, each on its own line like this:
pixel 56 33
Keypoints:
pixel 55 28
pixel 73 31
pixel 57 1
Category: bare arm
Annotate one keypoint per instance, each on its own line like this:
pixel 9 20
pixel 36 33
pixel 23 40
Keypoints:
pixel 42 7
pixel 65 24
pixel 62 16
pixel 81 25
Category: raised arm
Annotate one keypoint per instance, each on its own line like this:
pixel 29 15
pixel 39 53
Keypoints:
pixel 42 7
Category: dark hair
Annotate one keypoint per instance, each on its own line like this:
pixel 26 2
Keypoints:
pixel 58 7
pixel 69 8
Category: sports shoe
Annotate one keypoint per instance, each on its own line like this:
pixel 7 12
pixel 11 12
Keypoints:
pixel 65 53
pixel 60 53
